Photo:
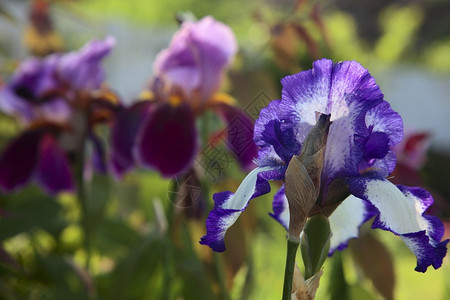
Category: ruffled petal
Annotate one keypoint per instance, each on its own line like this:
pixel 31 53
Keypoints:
pixel 125 128
pixel 228 207
pixel 346 220
pixel 346 91
pixel 401 211
pixel 239 135
pixel 275 136
pixel 168 140
pixel 385 131
pixel 53 170
pixel 19 160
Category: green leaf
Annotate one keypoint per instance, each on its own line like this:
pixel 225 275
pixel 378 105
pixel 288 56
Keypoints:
pixel 315 244
pixel 132 277
pixel 196 282
pixel 338 287
pixel 30 209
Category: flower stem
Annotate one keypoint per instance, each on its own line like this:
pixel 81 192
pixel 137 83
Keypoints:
pixel 292 247
pixel 81 193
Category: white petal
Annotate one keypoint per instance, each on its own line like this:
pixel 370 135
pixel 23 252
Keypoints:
pixel 345 222
pixel 398 213
pixel 245 191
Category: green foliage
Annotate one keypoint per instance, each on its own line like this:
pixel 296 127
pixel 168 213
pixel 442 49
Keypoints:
pixel 315 244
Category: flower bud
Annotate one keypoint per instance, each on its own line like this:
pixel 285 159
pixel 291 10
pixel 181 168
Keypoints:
pixel 302 179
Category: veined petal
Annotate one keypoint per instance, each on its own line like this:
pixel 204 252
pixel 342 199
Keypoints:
pixel 168 140
pixel 401 211
pixel 228 207
pixel 126 126
pixel 280 206
pixel 239 135
pixel 385 131
pixel 346 220
pixel 19 160
pixel 346 91
pixel 53 170
pixel 275 135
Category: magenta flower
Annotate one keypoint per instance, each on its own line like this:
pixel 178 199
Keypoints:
pixel 49 97
pixel 357 160
pixel 161 134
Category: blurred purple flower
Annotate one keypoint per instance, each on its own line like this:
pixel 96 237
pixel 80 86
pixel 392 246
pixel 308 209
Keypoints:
pixel 357 159
pixel 161 134
pixel 55 98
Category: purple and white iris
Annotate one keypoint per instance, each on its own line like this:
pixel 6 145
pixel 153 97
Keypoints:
pixel 48 96
pixel 357 160
pixel 161 134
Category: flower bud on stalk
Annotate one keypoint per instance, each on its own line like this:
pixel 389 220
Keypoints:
pixel 302 179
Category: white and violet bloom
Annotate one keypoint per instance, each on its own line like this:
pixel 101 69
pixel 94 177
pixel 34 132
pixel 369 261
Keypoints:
pixel 357 160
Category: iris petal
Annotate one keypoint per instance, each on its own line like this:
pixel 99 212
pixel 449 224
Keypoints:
pixel 197 56
pixel 53 170
pixel 239 135
pixel 275 135
pixel 401 211
pixel 81 69
pixel 126 126
pixel 280 206
pixel 168 140
pixel 19 160
pixel 229 206
pixel 346 220
pixel 346 91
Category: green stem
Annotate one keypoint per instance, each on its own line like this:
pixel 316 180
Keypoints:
pixel 292 247
pixel 81 193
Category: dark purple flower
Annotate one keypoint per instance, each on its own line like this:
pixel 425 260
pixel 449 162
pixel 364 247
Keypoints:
pixel 162 134
pixel 55 98
pixel 357 159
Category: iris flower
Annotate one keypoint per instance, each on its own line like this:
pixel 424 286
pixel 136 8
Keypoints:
pixel 57 99
pixel 357 160
pixel 161 133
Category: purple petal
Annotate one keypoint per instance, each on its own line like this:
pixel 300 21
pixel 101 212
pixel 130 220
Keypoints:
pixel 401 211
pixel 82 70
pixel 53 171
pixel 280 206
pixel 346 91
pixel 198 54
pixel 126 126
pixel 228 207
pixel 275 135
pixel 168 140
pixel 239 135
pixel 26 95
pixel 19 160
pixel 386 124
pixel 364 126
